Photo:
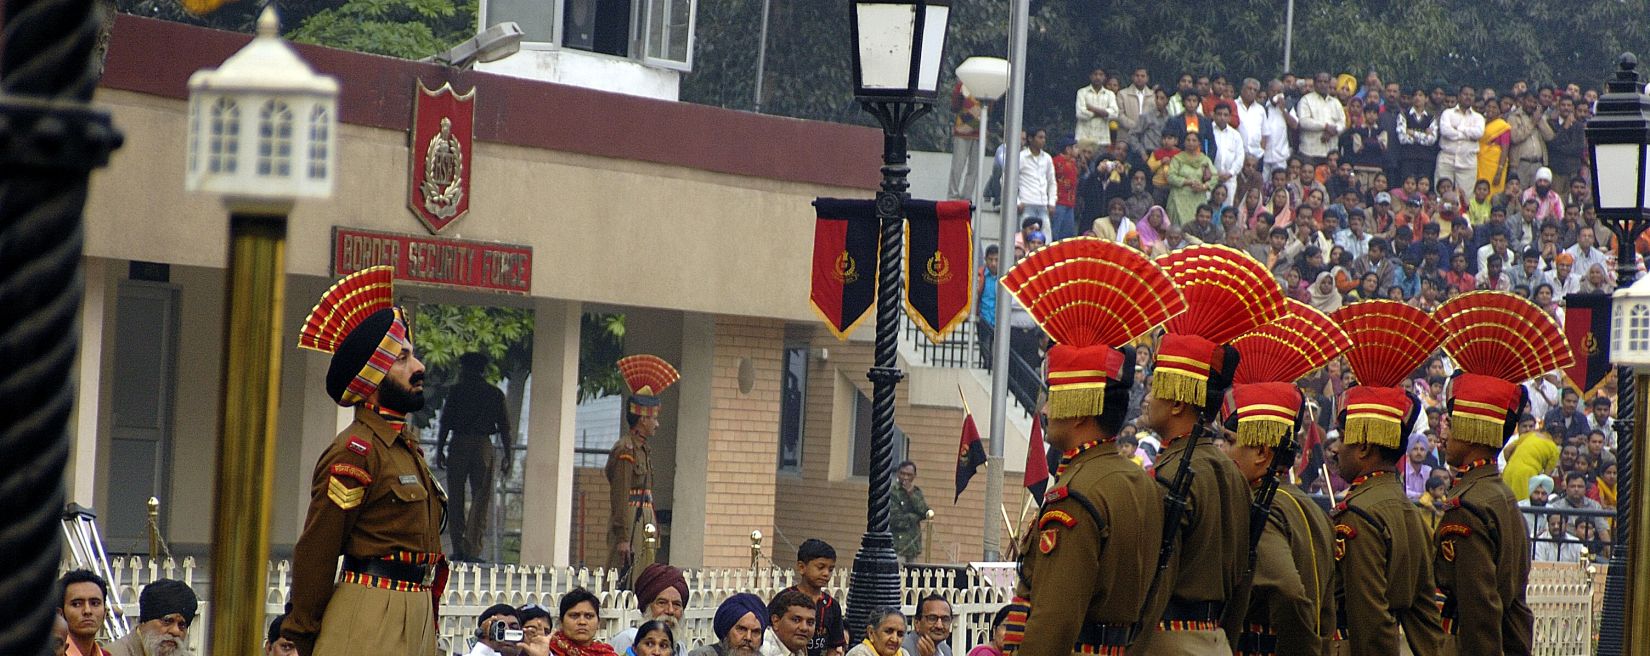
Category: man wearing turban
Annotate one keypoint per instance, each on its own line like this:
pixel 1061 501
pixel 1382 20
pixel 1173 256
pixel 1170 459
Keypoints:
pixel 739 625
pixel 166 609
pixel 661 594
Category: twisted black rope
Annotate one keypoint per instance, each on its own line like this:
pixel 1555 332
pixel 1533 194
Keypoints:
pixel 876 582
pixel 49 141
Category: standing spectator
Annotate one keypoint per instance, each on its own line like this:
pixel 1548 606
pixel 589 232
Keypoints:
pixel 1575 498
pixel 1251 113
pixel 486 645
pixel 1431 501
pixel 1228 155
pixel 1191 125
pixel 1064 223
pixel 1280 121
pixel 1096 108
pixel 791 625
pixel 1530 135
pixel 83 605
pixel 535 622
pixel 1417 138
pixel 1190 175
pixel 739 625
pixel 1147 134
pixel 1363 145
pixel 1322 119
pixel 1415 470
pixel 965 142
pixel 1038 190
pixel 931 636
pixel 815 563
pixel 167 607
pixel 274 644
pixel 661 595
pixel 1494 149
pixel 1459 129
pixel 1132 103
pixel 986 305
pixel 907 510
pixel 474 412
pixel 1568 145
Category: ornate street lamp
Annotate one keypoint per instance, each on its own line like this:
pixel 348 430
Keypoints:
pixel 1618 138
pixel 262 134
pixel 898 48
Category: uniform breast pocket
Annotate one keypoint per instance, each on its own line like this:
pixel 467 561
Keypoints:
pixel 409 491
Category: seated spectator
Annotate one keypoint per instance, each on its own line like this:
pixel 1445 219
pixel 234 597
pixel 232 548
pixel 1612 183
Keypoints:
pixel 661 595
pixel 654 638
pixel 535 622
pixel 490 641
pixel 1115 224
pixel 1540 491
pixel 932 634
pixel 1378 262
pixel 1597 281
pixel 1414 469
pixel 1604 487
pixel 999 636
pixel 60 635
pixel 1532 454
pixel 739 624
pixel 1458 280
pixel 166 608
pixel 1493 277
pixel 1575 498
pixel 1368 289
pixel 1432 501
pixel 82 596
pixel 790 624
pixel 274 644
pixel 1555 544
pixel 883 635
pixel 578 620
pixel 1597 544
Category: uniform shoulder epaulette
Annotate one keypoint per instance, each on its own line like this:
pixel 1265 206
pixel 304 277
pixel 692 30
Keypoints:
pixel 1056 494
pixel 358 445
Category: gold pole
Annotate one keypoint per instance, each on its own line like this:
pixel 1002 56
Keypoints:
pixel 256 289
pixel 756 548
pixel 154 528
pixel 1638 576
pixel 928 537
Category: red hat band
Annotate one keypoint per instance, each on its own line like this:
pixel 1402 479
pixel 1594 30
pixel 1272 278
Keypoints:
pixel 1077 377
pixel 1183 367
pixel 1376 415
pixel 1479 409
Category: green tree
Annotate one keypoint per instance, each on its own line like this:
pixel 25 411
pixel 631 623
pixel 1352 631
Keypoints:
pixel 601 344
pixel 409 29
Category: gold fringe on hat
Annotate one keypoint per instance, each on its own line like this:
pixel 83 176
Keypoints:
pixel 1086 401
pixel 1263 431
pixel 1477 430
pixel 1173 385
pixel 1379 431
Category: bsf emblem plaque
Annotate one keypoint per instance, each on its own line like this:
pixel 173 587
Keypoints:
pixel 441 153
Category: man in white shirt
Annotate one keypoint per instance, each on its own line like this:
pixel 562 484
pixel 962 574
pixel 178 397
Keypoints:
pixel 1132 101
pixel 1352 238
pixel 1229 149
pixel 1543 394
pixel 1497 246
pixel 1096 107
pixel 1556 544
pixel 1587 255
pixel 503 614
pixel 1322 119
pixel 1252 119
pixel 1459 129
pixel 1037 191
pixel 1276 135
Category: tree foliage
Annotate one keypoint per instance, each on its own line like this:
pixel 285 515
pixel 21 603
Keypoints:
pixel 1479 42
pixel 601 344
pixel 409 29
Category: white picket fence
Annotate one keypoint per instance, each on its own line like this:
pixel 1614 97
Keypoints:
pixel 1561 596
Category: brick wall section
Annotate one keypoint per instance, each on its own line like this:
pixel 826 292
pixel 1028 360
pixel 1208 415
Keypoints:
pixel 812 505
pixel 590 508
pixel 744 439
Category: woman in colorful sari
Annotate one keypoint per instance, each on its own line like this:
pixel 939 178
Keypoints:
pixel 1493 148
pixel 1190 175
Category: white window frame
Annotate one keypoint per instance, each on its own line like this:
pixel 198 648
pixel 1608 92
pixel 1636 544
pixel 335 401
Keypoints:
pixel 647 7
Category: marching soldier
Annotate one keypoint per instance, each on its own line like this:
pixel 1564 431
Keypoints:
pixel 374 500
pixel 630 464
pixel 1383 549
pixel 1202 594
pixel 1088 564
pixel 1291 605
pixel 1482 560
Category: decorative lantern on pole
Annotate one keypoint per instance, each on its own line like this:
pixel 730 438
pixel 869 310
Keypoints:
pixel 1618 141
pixel 897 54
pixel 262 131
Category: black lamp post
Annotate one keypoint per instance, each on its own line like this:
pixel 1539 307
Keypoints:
pixel 50 140
pixel 1618 139
pixel 898 46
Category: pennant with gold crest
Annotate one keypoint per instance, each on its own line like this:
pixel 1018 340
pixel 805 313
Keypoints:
pixel 939 252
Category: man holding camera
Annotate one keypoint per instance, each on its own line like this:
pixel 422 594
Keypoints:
pixel 498 632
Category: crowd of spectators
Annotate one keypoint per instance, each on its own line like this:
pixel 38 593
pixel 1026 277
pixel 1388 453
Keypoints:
pixel 1350 192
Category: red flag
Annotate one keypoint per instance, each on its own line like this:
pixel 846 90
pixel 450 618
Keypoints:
pixel 844 263
pixel 1036 461
pixel 970 453
pixel 939 249
pixel 1587 327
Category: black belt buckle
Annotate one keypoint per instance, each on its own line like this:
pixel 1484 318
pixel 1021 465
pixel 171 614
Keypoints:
pixel 389 569
pixel 1107 635
pixel 1194 611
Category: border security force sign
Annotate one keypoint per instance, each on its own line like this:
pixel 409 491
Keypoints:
pixel 441 152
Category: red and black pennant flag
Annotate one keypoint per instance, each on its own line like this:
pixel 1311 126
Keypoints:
pixel 1587 326
pixel 939 251
pixel 970 453
pixel 1036 479
pixel 845 262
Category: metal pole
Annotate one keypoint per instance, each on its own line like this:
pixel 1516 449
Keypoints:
pixel 256 287
pixel 1288 35
pixel 762 55
pixel 50 140
pixel 1000 364
pixel 978 195
pixel 876 577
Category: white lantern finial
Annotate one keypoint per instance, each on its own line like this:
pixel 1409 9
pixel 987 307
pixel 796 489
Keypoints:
pixel 262 126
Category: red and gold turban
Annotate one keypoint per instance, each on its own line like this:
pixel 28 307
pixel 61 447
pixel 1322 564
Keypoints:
pixel 357 323
pixel 1499 340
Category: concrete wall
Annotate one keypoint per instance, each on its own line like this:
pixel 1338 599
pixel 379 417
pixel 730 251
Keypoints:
pixel 590 70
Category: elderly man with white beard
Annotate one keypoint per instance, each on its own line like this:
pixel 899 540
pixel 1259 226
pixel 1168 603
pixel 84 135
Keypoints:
pixel 166 609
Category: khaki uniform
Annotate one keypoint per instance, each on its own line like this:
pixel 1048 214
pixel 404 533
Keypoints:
pixel 1088 562
pixel 1383 572
pixel 1483 565
pixel 630 500
pixel 1202 597
pixel 1292 605
pixel 375 502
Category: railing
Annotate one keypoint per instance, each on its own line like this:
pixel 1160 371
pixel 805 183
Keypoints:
pixel 1560 594
pixel 959 350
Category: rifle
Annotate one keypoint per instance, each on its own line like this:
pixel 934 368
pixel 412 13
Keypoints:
pixel 1174 509
pixel 1283 459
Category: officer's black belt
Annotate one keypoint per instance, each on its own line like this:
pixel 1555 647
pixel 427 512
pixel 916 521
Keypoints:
pixel 1194 611
pixel 1108 635
pixel 389 569
pixel 1256 643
